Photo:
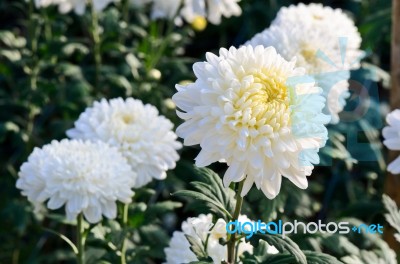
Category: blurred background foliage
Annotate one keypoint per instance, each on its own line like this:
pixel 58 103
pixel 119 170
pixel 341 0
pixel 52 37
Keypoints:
pixel 52 67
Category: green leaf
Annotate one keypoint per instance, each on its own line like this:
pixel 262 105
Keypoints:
pixel 121 82
pixel 163 207
pixel 393 215
pixel 71 48
pixel 281 244
pixel 196 247
pixel 10 40
pixel 66 239
pixel 339 245
pixel 310 258
pixel 211 191
pixel 199 196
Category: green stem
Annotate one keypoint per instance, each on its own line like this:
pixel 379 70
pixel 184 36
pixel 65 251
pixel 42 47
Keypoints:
pixel 80 240
pixel 96 44
pixel 157 54
pixel 47 25
pixel 125 17
pixel 232 241
pixel 33 42
pixel 124 224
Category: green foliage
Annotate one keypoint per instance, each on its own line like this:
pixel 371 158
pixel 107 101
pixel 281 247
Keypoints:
pixel 210 190
pixel 393 215
pixel 282 244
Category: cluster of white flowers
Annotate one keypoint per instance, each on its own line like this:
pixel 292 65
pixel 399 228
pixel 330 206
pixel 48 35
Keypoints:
pixel 78 6
pixel 324 41
pixel 126 144
pixel 143 136
pixel 247 109
pixel 86 177
pixel 189 10
pixel 202 230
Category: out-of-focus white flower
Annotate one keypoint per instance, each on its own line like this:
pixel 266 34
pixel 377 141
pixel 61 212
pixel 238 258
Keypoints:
pixel 143 136
pixel 391 134
pixel 165 9
pixel 202 229
pixel 214 11
pixel 324 26
pixel 78 6
pixel 252 109
pixel 44 3
pixel 190 10
pixel 86 177
pixel 325 42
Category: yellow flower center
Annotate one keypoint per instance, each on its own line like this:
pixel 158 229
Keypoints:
pixel 262 105
pixel 317 17
pixel 127 119
pixel 309 54
pixel 199 23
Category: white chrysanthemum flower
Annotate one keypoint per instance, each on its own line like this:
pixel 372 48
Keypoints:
pixel 202 229
pixel 325 42
pixel 86 177
pixel 391 134
pixel 190 10
pixel 143 136
pixel 252 109
pixel 78 6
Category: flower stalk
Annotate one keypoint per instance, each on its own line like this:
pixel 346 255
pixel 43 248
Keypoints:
pixel 232 241
pixel 95 30
pixel 125 210
pixel 80 240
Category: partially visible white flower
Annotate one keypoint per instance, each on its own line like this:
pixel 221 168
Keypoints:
pixel 202 229
pixel 325 26
pixel 143 136
pixel 178 250
pixel 325 42
pixel 165 9
pixel 391 134
pixel 44 3
pixel 190 10
pixel 214 11
pixel 78 6
pixel 247 109
pixel 86 177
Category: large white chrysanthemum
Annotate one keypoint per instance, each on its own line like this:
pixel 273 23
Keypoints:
pixel 86 177
pixel 189 10
pixel 143 136
pixel 325 42
pixel 252 109
pixel 202 229
pixel 78 6
pixel 391 135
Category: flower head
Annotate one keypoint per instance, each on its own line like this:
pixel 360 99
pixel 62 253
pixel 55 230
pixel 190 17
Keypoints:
pixel 324 41
pixel 391 134
pixel 86 177
pixel 201 229
pixel 145 138
pixel 247 109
